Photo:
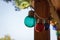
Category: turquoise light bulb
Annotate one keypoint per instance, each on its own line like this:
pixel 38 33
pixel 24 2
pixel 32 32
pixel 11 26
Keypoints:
pixel 30 21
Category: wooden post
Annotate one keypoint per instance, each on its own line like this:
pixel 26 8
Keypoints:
pixel 43 10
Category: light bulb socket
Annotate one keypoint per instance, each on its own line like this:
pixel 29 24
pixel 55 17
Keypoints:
pixel 31 13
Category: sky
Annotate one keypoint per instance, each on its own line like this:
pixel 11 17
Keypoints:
pixel 12 22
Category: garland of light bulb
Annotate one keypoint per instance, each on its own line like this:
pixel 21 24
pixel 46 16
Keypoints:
pixel 30 21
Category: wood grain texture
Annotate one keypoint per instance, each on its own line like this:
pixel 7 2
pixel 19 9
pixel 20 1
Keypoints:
pixel 42 9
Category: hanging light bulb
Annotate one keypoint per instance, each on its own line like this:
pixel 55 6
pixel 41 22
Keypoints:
pixel 54 27
pixel 39 26
pixel 22 4
pixel 53 22
pixel 30 20
pixel 58 33
pixel 46 24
